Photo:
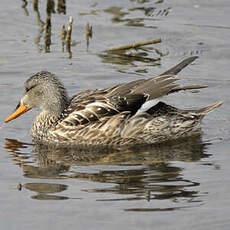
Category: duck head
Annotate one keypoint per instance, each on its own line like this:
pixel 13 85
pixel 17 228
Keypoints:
pixel 44 91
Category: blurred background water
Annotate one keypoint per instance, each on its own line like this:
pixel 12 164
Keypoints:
pixel 184 186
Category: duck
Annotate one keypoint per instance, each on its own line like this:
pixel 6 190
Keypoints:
pixel 110 117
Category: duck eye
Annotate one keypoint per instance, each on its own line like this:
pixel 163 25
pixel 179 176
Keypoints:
pixel 29 88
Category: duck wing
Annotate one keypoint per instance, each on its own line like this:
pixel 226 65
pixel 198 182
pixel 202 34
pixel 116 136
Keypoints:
pixel 92 105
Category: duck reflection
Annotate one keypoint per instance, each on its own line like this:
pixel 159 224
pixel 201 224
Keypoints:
pixel 138 174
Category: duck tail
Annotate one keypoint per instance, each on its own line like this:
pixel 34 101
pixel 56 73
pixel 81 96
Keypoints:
pixel 209 108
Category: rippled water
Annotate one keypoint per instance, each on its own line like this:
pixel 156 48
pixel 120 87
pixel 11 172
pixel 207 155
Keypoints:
pixel 180 186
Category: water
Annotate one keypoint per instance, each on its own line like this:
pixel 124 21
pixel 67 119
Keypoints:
pixel 185 186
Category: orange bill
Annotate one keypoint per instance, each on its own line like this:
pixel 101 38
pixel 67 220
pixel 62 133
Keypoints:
pixel 20 110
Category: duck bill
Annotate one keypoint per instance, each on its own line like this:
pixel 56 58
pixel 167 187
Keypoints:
pixel 19 111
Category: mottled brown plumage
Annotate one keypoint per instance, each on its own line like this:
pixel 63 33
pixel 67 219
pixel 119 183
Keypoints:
pixel 109 117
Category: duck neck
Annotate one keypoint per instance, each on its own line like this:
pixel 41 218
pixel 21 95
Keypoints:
pixel 42 124
pixel 50 115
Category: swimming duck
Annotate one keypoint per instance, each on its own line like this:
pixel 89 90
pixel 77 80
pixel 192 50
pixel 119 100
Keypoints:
pixel 111 116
